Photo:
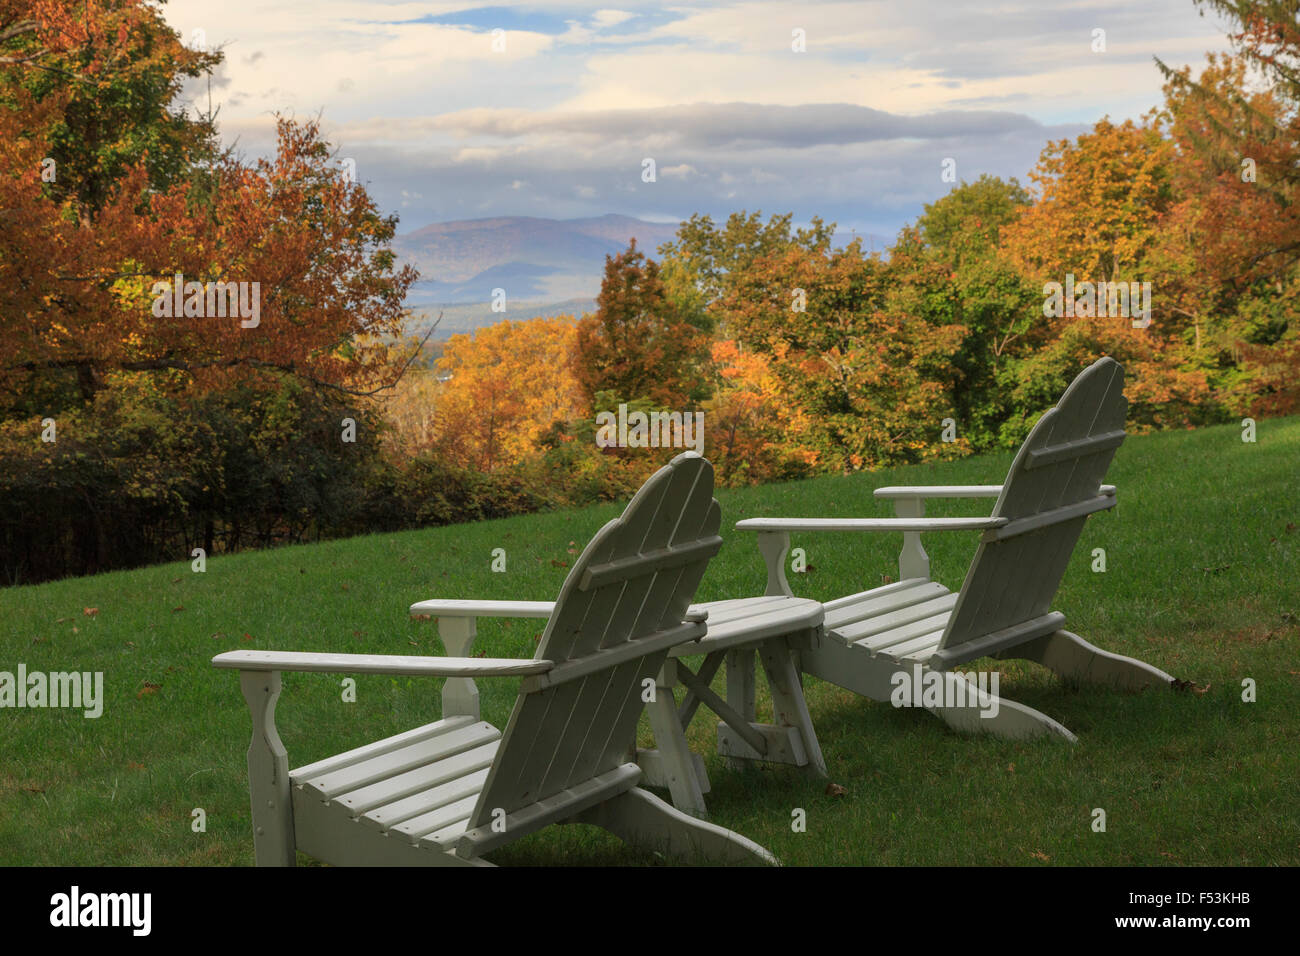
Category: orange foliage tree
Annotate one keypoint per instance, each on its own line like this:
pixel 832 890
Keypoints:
pixel 506 386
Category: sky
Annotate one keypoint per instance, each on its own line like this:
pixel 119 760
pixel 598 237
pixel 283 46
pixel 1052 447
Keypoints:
pixel 452 111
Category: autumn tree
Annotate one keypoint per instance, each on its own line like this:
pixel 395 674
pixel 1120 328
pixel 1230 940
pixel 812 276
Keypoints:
pixel 504 387
pixel 108 192
pixel 703 263
pixel 109 72
pixel 1233 246
pixel 638 343
pixel 865 383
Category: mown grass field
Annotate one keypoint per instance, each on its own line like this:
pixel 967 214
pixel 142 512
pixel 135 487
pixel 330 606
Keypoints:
pixel 1202 580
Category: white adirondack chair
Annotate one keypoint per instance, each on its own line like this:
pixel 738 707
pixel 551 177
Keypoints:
pixel 917 626
pixel 455 789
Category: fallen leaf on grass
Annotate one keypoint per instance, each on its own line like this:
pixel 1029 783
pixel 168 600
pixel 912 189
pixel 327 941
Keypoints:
pixel 34 789
pixel 559 564
pixel 178 608
pixel 218 634
pixel 176 580
pixel 1040 855
pixel 421 617
pixel 1011 768
pixel 1185 685
pixel 247 636
pixel 134 766
pixel 63 620
pixel 149 688
pixel 835 790
pixel 90 611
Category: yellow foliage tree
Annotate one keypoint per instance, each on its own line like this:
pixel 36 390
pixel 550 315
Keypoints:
pixel 502 389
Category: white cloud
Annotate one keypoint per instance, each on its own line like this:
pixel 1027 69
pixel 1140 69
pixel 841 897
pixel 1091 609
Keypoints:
pixel 851 128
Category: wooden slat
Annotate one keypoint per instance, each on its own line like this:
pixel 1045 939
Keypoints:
pixel 515 609
pixel 445 838
pixel 998 640
pixel 875 593
pixel 433 826
pixel 899 635
pixel 919 649
pixel 354 776
pixel 735 720
pixel 691 703
pixel 794 614
pixel 427 801
pixel 869 524
pixel 1073 448
pixel 938 491
pixel 599 575
pixel 394 788
pixel 891 621
pixel 387 745
pixel 1057 515
pixel 483 838
pixel 721 612
pixel 844 614
pixel 379 664
pixel 613 656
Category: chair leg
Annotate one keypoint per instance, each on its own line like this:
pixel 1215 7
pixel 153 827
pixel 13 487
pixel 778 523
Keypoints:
pixel 788 704
pixel 670 740
pixel 1075 659
pixel 741 691
pixel 642 820
pixel 268 773
pixel 992 714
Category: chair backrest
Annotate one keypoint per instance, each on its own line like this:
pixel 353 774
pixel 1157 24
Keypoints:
pixel 621 608
pixel 1053 485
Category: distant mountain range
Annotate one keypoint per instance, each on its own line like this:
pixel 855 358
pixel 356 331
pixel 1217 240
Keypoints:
pixel 545 266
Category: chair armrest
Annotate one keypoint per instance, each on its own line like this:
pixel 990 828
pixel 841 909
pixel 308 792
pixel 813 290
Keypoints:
pixel 379 664
pixel 484 608
pixel 869 524
pixel 952 491
pixel 511 609
pixel 939 491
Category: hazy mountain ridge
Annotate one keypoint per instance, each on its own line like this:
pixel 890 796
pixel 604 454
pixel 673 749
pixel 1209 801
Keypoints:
pixel 532 259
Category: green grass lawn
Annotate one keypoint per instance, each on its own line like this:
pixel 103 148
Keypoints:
pixel 1203 565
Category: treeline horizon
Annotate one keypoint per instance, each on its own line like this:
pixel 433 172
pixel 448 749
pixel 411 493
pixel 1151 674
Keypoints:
pixel 133 432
